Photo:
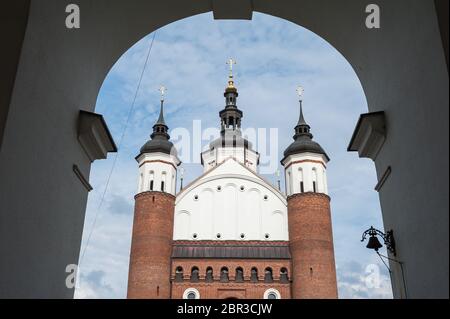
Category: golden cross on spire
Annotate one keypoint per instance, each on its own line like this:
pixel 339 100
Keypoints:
pixel 162 90
pixel 231 62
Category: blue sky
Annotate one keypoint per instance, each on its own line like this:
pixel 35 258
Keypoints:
pixel 273 57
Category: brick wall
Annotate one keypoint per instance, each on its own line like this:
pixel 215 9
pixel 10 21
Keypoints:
pixel 151 247
pixel 311 244
pixel 231 289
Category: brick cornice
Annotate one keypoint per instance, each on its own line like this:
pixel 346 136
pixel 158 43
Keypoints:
pixel 153 193
pixel 228 243
pixel 309 194
pixel 158 161
pixel 306 161
pixel 230 285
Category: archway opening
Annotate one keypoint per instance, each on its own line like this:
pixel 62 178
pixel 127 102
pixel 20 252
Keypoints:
pixel 288 55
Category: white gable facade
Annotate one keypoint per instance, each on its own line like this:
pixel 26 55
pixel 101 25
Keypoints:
pixel 230 202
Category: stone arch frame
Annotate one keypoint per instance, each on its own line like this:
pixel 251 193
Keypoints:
pixel 124 23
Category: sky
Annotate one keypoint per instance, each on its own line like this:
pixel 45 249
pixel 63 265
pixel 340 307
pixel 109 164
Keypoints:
pixel 273 57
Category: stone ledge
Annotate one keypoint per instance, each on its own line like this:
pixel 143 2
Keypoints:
pixel 153 193
pixel 309 194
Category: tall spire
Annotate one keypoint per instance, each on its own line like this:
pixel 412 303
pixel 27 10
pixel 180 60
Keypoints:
pixel 161 115
pixel 302 128
pixel 160 128
pixel 303 139
pixel 159 141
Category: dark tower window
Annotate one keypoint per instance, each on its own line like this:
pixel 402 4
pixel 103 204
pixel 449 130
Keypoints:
pixel 239 274
pixel 224 274
pixel 314 187
pixel 151 185
pixel 284 278
pixel 194 274
pixel 302 187
pixel 162 187
pixel 209 275
pixel 179 274
pixel 254 275
pixel 268 276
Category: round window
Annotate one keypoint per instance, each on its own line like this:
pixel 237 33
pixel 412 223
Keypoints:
pixel 271 295
pixel 191 293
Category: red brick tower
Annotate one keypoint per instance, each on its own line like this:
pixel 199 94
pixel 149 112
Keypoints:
pixel 311 243
pixel 309 217
pixel 151 247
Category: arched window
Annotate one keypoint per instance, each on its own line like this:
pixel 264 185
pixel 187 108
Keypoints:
pixel 288 186
pixel 254 274
pixel 314 178
pixel 300 177
pixel 152 180
pixel 268 275
pixel 194 274
pixel 173 184
pixel 284 277
pixel 179 274
pixel 163 182
pixel 209 275
pixel 141 182
pixel 239 274
pixel 224 274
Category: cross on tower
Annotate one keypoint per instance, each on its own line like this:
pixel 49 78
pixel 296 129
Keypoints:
pixel 231 62
pixel 162 90
pixel 300 91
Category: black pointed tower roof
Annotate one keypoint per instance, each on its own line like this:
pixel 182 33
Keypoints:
pixel 159 138
pixel 231 118
pixel 303 139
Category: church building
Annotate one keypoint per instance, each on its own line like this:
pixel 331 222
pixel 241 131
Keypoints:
pixel 230 234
